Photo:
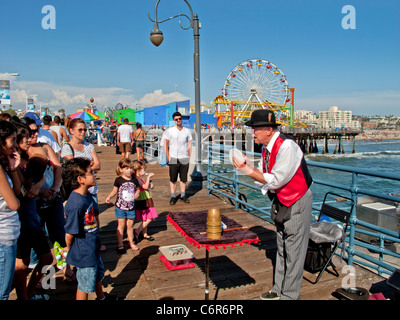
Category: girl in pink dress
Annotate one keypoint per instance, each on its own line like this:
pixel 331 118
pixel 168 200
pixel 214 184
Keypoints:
pixel 144 205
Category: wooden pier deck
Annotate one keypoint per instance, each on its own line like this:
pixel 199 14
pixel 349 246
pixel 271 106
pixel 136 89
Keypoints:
pixel 239 273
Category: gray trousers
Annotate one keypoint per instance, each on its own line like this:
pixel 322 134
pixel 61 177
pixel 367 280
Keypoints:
pixel 292 243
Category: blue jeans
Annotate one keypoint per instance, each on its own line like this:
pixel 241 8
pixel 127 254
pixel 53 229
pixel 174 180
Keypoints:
pixel 88 277
pixel 124 214
pixel 7 266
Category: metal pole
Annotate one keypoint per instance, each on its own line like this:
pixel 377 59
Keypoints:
pixel 156 37
pixel 291 106
pixel 207 291
pixel 198 172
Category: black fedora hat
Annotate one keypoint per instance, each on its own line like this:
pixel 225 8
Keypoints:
pixel 262 118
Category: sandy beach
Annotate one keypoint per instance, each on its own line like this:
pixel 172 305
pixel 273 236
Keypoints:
pixel 376 134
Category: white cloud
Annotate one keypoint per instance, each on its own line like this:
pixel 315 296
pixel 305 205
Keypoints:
pixel 72 98
pixel 157 98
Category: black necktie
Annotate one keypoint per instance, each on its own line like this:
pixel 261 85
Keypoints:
pixel 266 160
pixel 271 195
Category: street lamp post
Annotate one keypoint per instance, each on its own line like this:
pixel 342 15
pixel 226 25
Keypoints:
pixel 14 74
pixel 157 37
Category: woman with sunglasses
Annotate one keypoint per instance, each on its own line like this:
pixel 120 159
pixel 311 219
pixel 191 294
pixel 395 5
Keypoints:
pixel 49 203
pixel 78 147
pixel 32 236
pixel 50 200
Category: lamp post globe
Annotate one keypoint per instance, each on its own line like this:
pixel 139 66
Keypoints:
pixel 156 37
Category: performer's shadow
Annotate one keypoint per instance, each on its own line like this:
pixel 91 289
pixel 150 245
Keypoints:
pixel 224 273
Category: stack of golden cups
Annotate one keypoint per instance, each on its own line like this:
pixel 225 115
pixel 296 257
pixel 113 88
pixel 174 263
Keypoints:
pixel 214 230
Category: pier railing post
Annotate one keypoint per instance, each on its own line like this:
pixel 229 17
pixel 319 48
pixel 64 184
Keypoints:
pixel 236 186
pixel 209 167
pixel 353 219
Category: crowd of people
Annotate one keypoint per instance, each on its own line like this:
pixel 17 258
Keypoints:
pixel 49 195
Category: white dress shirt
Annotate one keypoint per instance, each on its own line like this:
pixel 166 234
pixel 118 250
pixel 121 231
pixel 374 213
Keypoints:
pixel 287 162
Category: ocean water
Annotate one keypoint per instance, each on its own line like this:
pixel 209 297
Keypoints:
pixel 382 156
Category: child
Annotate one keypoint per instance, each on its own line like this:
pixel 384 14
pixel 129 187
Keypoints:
pixel 82 233
pixel 126 189
pixel 144 205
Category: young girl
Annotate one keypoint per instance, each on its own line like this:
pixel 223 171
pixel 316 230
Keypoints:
pixel 144 205
pixel 126 187
pixel 9 204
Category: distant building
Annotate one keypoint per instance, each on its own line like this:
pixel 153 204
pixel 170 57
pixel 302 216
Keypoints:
pixel 305 116
pixel 387 122
pixel 369 124
pixel 335 118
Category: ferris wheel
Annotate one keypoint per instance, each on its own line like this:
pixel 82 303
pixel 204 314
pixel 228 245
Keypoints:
pixel 257 80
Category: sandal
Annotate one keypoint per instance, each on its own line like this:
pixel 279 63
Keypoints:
pixel 121 250
pixel 149 238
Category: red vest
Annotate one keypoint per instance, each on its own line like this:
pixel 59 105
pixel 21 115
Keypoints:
pixel 301 181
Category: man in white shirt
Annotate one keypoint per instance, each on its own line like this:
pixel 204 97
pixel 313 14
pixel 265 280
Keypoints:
pixel 177 146
pixel 125 138
pixel 284 176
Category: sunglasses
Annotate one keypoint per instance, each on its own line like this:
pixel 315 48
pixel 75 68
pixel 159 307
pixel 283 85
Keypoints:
pixel 177 119
pixel 34 131
pixel 82 129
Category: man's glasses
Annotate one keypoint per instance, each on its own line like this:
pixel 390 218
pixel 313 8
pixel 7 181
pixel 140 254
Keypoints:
pixel 177 119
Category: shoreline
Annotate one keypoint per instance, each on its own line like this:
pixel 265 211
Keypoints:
pixel 378 135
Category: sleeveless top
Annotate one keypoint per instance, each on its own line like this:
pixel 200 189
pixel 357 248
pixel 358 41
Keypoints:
pixel 56 129
pixel 86 153
pixel 9 221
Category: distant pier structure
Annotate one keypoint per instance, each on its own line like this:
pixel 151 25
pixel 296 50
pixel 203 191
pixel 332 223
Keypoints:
pixel 306 138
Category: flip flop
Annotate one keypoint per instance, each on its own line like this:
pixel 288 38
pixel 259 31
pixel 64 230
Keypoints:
pixel 121 250
pixel 149 238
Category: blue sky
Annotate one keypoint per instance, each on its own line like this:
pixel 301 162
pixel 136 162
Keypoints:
pixel 101 49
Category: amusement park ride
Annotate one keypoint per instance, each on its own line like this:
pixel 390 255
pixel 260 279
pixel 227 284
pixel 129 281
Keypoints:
pixel 255 84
